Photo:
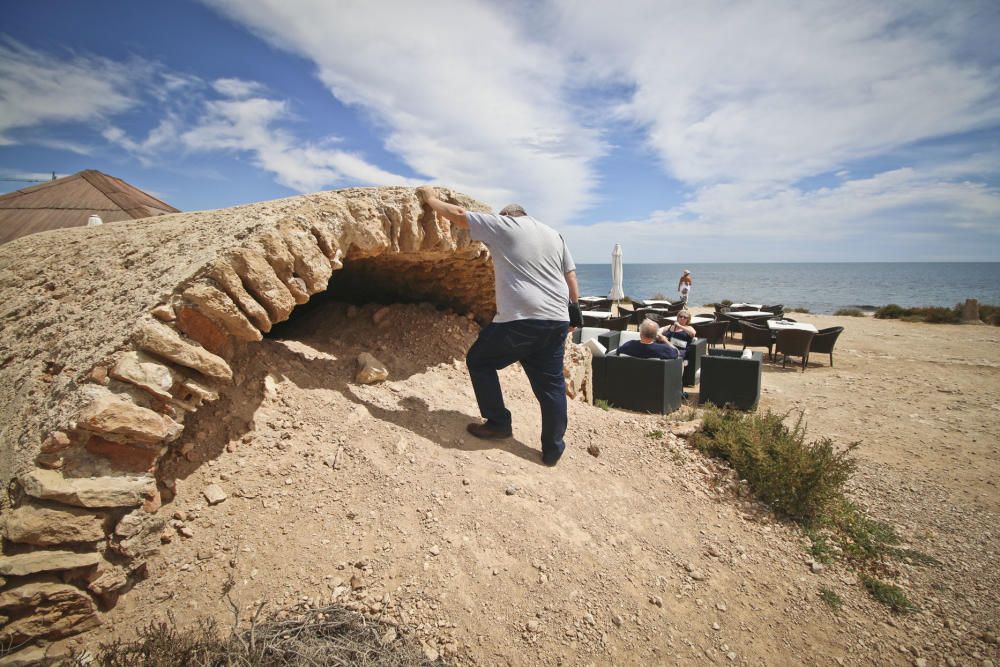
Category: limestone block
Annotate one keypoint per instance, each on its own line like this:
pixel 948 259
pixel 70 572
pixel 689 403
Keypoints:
pixel 310 263
pixel 261 280
pixel 227 278
pixel 138 534
pixel 123 456
pixel 144 372
pixel 370 369
pixel 116 418
pixel 219 307
pixel 203 330
pixel 33 562
pixel 326 233
pixel 578 371
pixel 125 491
pixel 164 342
pixel 47 526
pixel 281 260
pixel 164 312
pixel 45 610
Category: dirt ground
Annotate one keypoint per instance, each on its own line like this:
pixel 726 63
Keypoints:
pixel 646 554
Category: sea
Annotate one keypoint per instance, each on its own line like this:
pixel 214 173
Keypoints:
pixel 819 287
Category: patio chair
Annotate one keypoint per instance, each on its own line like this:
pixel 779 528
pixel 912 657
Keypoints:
pixel 732 323
pixel 777 310
pixel 713 332
pixel 603 304
pixel 643 385
pixel 617 323
pixel 591 321
pixel 727 379
pixel 757 336
pixel 795 343
pixel 824 341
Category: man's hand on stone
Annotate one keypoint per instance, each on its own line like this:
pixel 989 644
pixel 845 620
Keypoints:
pixel 426 192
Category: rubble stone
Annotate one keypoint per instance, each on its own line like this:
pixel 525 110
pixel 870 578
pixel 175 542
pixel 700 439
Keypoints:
pixel 125 491
pixel 117 418
pixel 47 526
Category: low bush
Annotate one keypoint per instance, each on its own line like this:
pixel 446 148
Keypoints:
pixel 831 599
pixel 319 636
pixel 890 595
pixel 602 404
pixel 798 479
pixel 797 309
pixel 936 314
pixel 850 312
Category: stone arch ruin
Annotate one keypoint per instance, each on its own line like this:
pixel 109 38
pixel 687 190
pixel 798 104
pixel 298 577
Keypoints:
pixel 112 336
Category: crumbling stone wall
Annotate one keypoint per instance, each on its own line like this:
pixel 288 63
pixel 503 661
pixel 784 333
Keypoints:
pixel 111 336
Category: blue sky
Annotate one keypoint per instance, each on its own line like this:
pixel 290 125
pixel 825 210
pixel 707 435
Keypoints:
pixel 715 131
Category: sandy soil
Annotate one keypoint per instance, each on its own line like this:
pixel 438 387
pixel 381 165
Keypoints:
pixel 646 554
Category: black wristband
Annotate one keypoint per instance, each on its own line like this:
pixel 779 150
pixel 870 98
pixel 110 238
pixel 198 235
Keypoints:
pixel 575 315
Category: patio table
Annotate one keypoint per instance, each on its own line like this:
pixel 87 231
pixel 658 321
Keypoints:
pixel 599 314
pixel 777 325
pixel 697 319
pixel 592 298
pixel 756 306
pixel 749 314
pixel 657 302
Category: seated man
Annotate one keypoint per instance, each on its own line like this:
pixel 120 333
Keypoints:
pixel 651 345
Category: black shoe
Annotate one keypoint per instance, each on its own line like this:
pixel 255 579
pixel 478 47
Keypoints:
pixel 551 461
pixel 486 432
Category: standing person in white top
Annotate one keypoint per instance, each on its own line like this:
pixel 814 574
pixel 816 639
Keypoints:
pixel 536 296
pixel 684 286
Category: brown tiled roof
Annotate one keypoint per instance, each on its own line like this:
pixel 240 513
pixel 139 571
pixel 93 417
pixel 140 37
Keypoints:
pixel 69 201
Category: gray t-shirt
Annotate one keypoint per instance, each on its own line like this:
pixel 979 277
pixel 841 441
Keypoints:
pixel 530 261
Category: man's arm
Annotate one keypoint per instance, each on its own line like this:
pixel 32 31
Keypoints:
pixel 450 212
pixel 574 288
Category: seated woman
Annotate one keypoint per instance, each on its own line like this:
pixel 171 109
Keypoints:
pixel 651 345
pixel 681 333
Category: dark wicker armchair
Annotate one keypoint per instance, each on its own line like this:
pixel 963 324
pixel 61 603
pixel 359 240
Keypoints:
pixel 713 332
pixel 824 341
pixel 757 336
pixel 795 343
pixel 618 323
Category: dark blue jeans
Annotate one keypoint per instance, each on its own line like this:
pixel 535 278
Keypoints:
pixel 539 346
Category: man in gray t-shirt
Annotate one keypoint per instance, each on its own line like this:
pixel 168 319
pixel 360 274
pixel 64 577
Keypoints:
pixel 535 285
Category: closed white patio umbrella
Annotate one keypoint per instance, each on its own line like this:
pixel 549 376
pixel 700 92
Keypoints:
pixel 617 274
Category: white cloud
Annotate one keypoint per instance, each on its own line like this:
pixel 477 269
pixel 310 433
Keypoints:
pixel 248 126
pixel 40 89
pixel 744 222
pixel 778 91
pixel 466 95
pixel 237 88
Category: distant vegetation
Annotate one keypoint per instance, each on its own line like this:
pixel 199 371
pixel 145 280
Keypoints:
pixel 804 481
pixel 937 314
pixel 850 312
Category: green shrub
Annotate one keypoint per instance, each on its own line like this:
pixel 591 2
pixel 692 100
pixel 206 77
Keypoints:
pixel 860 536
pixel 797 309
pixel 888 594
pixel 989 314
pixel 655 435
pixel 602 404
pixel 831 599
pixel 850 312
pixel 800 480
pixel 891 312
pixel 726 302
pixel 938 315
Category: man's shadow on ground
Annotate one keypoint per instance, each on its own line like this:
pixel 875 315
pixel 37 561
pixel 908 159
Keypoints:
pixel 445 428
